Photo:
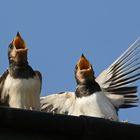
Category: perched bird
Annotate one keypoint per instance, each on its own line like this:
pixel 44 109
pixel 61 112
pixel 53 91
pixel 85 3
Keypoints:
pixel 100 96
pixel 20 85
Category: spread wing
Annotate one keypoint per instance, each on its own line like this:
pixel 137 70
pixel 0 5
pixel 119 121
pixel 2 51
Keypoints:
pixel 4 98
pixel 117 81
pixel 57 103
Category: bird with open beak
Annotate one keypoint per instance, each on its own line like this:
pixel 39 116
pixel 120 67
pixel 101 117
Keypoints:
pixel 20 85
pixel 100 96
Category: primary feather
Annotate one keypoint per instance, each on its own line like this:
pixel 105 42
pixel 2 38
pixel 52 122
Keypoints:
pixel 117 81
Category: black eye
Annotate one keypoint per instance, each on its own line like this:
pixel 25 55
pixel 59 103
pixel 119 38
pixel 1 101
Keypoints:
pixel 76 67
pixel 10 46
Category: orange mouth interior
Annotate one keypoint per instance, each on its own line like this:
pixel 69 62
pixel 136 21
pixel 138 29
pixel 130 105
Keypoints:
pixel 83 64
pixel 18 42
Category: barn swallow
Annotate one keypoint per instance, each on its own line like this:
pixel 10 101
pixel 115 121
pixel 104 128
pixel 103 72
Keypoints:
pixel 20 85
pixel 100 96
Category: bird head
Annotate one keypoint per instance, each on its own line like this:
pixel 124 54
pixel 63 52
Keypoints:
pixel 17 51
pixel 84 71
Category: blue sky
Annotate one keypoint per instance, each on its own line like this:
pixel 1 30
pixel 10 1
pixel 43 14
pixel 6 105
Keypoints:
pixel 57 32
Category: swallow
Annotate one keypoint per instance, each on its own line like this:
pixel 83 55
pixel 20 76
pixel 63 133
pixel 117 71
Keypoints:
pixel 100 96
pixel 20 85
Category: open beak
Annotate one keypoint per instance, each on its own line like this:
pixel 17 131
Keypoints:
pixel 19 51
pixel 84 71
pixel 83 64
pixel 19 44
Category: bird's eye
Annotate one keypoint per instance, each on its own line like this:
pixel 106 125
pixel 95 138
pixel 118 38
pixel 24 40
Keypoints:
pixel 76 67
pixel 10 46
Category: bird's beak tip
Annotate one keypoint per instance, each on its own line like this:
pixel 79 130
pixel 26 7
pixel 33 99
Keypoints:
pixel 82 55
pixel 18 36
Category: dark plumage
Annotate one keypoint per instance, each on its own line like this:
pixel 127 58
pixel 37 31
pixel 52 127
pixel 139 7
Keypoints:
pixel 84 75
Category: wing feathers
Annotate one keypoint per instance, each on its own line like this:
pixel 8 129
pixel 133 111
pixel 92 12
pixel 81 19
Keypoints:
pixel 58 103
pixel 123 90
pixel 116 80
pixel 125 81
pixel 131 49
pixel 40 78
pixel 4 98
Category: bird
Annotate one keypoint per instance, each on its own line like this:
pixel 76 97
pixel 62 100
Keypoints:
pixel 20 85
pixel 101 96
